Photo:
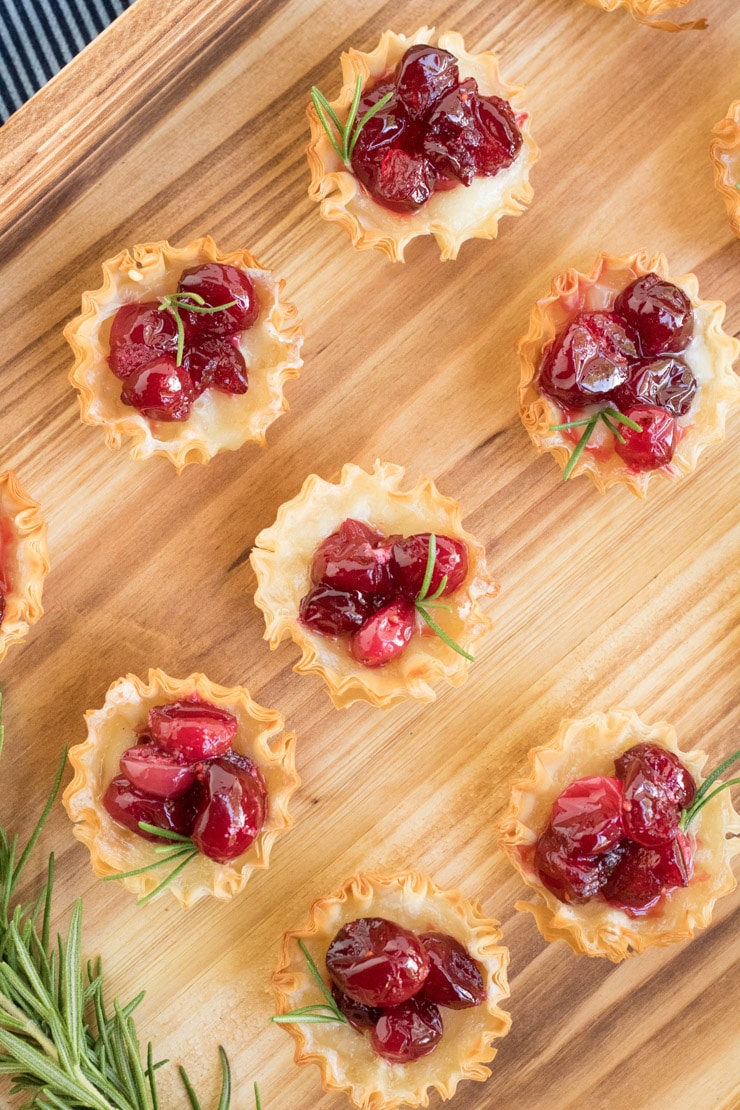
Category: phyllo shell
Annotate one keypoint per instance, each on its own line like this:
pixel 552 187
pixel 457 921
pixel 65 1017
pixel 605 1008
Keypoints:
pixel 345 1057
pixel 24 561
pixel 589 747
pixel 218 421
pixel 113 728
pixel 710 355
pixel 725 152
pixel 282 557
pixel 452 216
pixel 642 10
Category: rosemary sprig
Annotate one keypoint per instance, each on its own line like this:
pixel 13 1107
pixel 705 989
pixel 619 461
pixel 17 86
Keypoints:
pixel 610 417
pixel 424 603
pixel 320 1012
pixel 348 131
pixel 60 1043
pixel 703 796
pixel 191 302
pixel 181 851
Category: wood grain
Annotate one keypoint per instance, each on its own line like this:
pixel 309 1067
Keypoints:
pixel 186 118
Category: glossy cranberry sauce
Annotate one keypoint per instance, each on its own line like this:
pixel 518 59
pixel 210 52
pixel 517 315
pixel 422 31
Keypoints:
pixel 184 776
pixel 365 584
pixel 144 339
pixel 435 132
pixel 619 838
pixel 629 358
pixel 390 982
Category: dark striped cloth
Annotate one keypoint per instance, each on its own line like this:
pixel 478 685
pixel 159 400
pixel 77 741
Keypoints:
pixel 38 37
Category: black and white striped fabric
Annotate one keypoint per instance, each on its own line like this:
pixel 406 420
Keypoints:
pixel 38 37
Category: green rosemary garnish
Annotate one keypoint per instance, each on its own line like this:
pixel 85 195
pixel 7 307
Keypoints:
pixel 609 416
pixel 59 1043
pixel 181 853
pixel 424 602
pixel 703 796
pixel 320 1012
pixel 175 302
pixel 349 130
pixel 257 1099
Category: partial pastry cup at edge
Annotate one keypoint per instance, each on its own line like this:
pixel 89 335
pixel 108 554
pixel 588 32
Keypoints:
pixel 642 10
pixel 710 355
pixel 587 747
pixel 112 729
pixel 218 421
pixel 282 557
pixel 452 217
pixel 345 1058
pixel 24 552
pixel 725 153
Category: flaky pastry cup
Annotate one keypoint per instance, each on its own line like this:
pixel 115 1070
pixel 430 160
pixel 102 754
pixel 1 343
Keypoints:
pixel 24 560
pixel 471 212
pixel 725 152
pixel 345 1058
pixel 595 928
pixel 710 356
pixel 218 421
pixel 642 10
pixel 112 729
pixel 282 557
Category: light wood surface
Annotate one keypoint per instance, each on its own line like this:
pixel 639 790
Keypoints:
pixel 188 118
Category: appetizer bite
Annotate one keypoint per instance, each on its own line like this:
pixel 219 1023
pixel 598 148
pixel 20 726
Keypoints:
pixel 185 350
pixel 725 153
pixel 626 374
pixel 181 785
pixel 24 561
pixel 423 139
pixel 378 586
pixel 622 842
pixel 393 988
pixel 643 10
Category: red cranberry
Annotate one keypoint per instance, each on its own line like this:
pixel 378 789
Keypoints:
pixel 161 390
pixel 423 75
pixel 192 729
pixel 570 877
pixel 384 635
pixel 334 612
pixel 454 978
pixel 654 444
pixel 666 383
pixel 451 136
pixel 377 962
pixel 407 1032
pixel 2 606
pixel 139 332
pixel 360 1017
pixel 384 161
pixel 128 806
pixel 661 766
pixel 217 363
pixel 656 789
pixel 500 138
pixel 634 885
pixel 350 560
pixel 409 562
pixel 245 764
pixel 156 772
pixel 588 815
pixel 232 812
pixel 589 360
pixel 218 284
pixel 659 312
pixel 675 863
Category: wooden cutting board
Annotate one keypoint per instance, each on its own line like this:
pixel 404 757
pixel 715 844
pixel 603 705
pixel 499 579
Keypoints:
pixel 188 118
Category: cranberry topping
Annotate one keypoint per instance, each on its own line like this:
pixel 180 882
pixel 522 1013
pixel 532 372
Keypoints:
pixel 659 312
pixel 377 962
pixel 138 333
pixel 454 978
pixel 192 729
pixel 232 812
pixel 217 363
pixel 645 874
pixel 384 161
pixel 656 788
pixel 351 559
pixel 333 612
pixel 156 772
pixel 218 284
pixel 570 877
pixel 451 136
pixel 651 447
pixel 409 563
pixel 589 360
pixel 128 806
pixel 407 1032
pixel 500 139
pixel 160 390
pixel 424 74
pixel 384 635
pixel 360 1017
pixel 587 815
pixel 665 383
pixel 664 768
pixel 2 606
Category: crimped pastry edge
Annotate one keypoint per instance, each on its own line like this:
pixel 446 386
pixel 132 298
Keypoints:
pixel 29 560
pixel 642 10
pixel 588 746
pixel 415 901
pixel 238 419
pixel 281 558
pixel 711 404
pixel 369 225
pixel 114 848
pixel 726 138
